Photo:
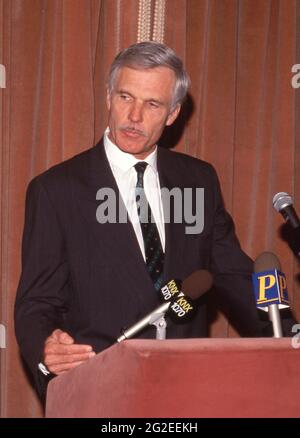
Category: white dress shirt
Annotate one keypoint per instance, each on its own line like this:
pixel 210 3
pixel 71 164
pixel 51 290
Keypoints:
pixel 122 166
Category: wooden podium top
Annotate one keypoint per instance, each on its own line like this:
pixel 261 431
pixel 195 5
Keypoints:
pixel 258 377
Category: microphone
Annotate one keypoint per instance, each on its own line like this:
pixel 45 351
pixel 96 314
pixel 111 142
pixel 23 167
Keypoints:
pixel 270 288
pixel 283 203
pixel 183 306
pixel 170 289
pixel 196 285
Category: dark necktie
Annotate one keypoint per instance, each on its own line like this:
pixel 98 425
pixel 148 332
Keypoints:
pixel 153 248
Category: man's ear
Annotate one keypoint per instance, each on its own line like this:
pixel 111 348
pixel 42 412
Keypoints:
pixel 173 115
pixel 107 98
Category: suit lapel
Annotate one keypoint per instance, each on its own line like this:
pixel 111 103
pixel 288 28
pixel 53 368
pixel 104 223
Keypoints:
pixel 118 239
pixel 174 232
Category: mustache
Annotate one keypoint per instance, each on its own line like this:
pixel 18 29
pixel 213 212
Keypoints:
pixel 134 130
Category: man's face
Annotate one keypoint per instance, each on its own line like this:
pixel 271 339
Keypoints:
pixel 139 108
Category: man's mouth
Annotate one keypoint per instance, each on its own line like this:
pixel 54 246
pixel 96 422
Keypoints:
pixel 132 133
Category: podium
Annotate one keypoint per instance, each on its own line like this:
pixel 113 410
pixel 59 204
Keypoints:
pixel 186 378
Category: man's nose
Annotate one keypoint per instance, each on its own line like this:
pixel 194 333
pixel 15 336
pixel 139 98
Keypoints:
pixel 136 113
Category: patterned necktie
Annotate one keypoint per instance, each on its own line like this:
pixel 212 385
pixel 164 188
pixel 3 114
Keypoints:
pixel 153 248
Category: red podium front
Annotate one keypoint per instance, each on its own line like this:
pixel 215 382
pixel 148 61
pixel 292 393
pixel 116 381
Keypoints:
pixel 182 378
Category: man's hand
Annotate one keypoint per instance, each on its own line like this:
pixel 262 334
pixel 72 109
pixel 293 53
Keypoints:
pixel 61 354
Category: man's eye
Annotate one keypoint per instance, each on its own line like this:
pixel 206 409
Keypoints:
pixel 125 97
pixel 153 104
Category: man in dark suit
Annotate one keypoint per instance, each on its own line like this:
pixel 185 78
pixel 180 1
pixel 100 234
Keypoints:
pixel 83 278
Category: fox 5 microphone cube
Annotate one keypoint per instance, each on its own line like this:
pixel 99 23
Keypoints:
pixel 270 288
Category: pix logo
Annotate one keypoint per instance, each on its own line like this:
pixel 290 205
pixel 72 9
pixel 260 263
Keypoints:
pixel 270 288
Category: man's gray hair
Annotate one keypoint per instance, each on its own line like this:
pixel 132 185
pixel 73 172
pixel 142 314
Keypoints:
pixel 150 55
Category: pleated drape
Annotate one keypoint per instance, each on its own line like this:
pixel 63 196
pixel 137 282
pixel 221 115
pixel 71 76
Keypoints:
pixel 242 116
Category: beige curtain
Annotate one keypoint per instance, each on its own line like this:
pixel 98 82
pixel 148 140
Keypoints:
pixel 239 54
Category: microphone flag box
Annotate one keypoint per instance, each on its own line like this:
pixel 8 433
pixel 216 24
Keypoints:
pixel 169 290
pixel 270 288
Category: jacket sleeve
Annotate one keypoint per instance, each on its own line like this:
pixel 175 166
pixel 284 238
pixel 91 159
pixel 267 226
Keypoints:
pixel 232 270
pixel 42 293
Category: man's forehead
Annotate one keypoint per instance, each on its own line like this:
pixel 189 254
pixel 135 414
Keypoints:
pixel 160 72
pixel 152 83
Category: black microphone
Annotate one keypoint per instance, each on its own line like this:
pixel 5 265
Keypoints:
pixel 283 203
pixel 195 285
pixel 183 306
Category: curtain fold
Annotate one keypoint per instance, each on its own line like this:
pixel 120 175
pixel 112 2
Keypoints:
pixel 242 116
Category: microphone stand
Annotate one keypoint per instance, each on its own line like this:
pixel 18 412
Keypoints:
pixel 276 322
pixel 161 327
pixel 154 318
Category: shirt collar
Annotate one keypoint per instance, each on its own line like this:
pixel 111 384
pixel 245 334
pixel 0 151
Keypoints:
pixel 123 160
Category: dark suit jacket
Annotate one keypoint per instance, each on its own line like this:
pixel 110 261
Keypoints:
pixel 90 279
